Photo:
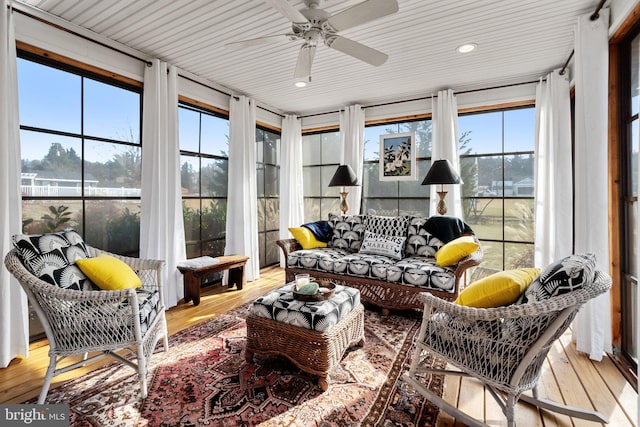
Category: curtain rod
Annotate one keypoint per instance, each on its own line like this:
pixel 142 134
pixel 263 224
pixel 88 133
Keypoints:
pixel 595 15
pixel 82 36
pixel 427 97
pixel 226 93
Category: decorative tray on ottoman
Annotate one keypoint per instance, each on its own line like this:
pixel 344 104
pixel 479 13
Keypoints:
pixel 325 291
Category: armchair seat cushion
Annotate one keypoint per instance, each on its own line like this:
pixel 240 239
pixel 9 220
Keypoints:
pixel 149 307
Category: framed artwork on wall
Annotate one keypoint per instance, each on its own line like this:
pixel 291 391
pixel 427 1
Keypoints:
pixel 398 157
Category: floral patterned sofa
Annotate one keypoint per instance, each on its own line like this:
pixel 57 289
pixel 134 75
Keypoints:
pixel 389 259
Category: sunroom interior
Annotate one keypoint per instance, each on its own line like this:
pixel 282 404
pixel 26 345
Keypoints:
pixel 82 75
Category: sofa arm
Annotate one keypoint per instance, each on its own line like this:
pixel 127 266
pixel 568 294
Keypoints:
pixel 467 262
pixel 288 246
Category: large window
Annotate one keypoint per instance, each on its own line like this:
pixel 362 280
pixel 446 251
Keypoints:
pixel 497 162
pixel 81 154
pixel 391 198
pixel 268 182
pixel 320 159
pixel 204 165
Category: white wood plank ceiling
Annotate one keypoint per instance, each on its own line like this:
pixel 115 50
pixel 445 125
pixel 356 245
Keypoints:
pixel 517 41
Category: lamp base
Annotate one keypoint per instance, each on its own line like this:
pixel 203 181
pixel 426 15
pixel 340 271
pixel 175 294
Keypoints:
pixel 343 202
pixel 442 206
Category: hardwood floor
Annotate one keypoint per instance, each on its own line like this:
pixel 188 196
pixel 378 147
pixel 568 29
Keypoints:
pixel 568 376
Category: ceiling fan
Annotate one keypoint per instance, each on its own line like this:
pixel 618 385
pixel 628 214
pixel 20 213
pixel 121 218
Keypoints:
pixel 313 25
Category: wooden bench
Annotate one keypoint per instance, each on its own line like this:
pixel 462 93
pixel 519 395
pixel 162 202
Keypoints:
pixel 193 272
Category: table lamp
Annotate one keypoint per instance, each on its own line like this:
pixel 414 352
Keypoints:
pixel 441 172
pixel 344 177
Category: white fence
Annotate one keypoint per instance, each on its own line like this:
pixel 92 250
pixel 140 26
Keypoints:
pixel 57 191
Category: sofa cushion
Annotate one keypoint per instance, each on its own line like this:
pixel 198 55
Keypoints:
pixel 306 238
pixel 561 277
pixel 379 244
pixel 387 225
pixel 52 256
pixel 321 230
pixel 363 265
pixel 422 272
pixel 419 240
pixel 348 231
pixel 321 259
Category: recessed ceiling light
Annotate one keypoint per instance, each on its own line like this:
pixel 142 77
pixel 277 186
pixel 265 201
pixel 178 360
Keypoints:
pixel 300 83
pixel 466 48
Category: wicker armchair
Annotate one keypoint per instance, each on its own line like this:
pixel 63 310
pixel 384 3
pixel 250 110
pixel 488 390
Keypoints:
pixel 502 347
pixel 78 322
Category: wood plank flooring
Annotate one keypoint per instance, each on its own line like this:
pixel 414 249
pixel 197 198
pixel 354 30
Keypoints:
pixel 568 376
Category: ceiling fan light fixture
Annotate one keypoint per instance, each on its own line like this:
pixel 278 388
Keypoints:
pixel 466 48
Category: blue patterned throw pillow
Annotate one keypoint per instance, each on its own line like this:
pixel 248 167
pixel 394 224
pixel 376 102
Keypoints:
pixel 52 256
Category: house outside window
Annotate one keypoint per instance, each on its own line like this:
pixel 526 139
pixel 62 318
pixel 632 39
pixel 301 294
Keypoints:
pixel 81 154
pixel 497 162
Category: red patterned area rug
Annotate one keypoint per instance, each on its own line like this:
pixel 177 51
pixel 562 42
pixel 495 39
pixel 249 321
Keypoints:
pixel 204 381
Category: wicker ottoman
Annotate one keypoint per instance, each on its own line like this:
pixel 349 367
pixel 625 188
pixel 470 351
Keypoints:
pixel 313 351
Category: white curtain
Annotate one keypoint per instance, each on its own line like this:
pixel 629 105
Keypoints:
pixel 242 204
pixel 291 185
pixel 553 171
pixel 161 224
pixel 445 146
pixel 352 139
pixel 592 328
pixel 14 340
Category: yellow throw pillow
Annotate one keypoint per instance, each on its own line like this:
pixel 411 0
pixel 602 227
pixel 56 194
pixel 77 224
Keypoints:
pixel 499 289
pixel 109 273
pixel 455 250
pixel 306 238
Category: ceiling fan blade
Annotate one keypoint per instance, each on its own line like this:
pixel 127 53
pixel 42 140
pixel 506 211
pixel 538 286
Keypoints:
pixel 357 50
pixel 305 59
pixel 257 41
pixel 290 12
pixel 364 12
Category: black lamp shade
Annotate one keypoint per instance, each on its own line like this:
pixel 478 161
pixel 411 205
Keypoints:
pixel 441 172
pixel 344 177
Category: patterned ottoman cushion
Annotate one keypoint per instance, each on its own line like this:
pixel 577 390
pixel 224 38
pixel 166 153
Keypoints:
pixel 321 259
pixel 419 240
pixel 363 265
pixel 279 305
pixel 422 272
